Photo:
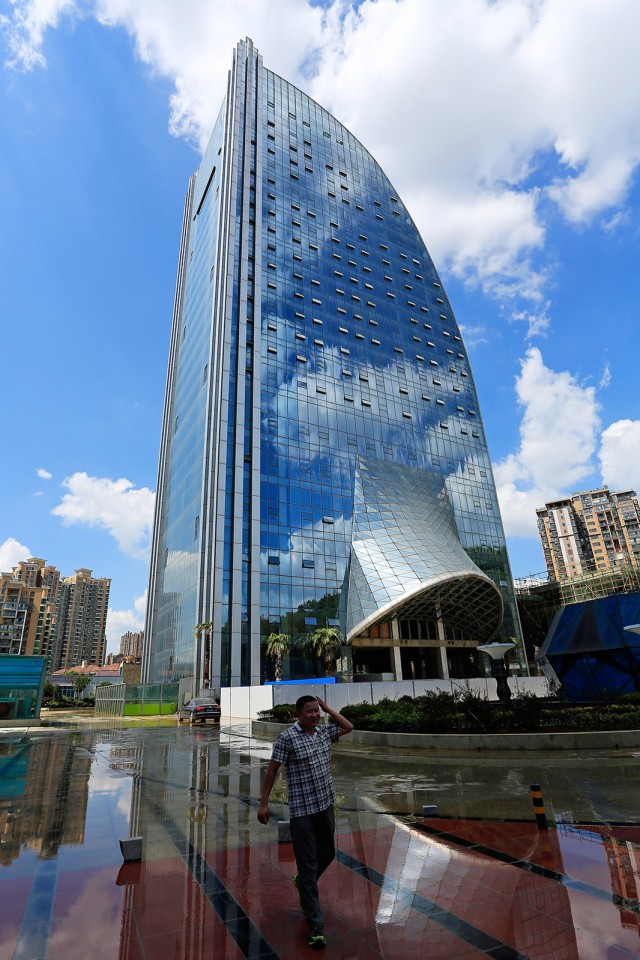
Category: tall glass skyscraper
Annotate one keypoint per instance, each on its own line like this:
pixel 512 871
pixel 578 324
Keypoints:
pixel 323 461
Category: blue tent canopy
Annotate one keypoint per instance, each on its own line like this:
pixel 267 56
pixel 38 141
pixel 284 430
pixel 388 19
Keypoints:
pixel 589 650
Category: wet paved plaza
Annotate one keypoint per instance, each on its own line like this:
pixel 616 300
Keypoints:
pixel 479 881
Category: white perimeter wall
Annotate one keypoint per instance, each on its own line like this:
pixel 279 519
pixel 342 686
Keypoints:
pixel 244 703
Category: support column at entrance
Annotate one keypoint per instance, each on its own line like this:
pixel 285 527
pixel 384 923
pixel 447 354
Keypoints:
pixel 397 662
pixel 443 663
pixel 442 650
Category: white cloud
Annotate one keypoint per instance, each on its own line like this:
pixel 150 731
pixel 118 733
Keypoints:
pixel 44 474
pixel 558 438
pixel 537 321
pixel 121 621
pixel 476 109
pixel 194 51
pixel 115 505
pixel 619 219
pixel 620 455
pixel 605 376
pixel 140 604
pixel 26 29
pixel 11 553
pixel 474 335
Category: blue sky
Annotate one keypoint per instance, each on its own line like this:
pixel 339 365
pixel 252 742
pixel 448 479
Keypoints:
pixel 512 132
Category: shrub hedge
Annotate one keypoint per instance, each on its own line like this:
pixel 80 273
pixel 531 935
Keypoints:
pixel 280 713
pixel 466 711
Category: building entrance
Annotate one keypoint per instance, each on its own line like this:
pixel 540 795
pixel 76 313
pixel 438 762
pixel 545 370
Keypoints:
pixel 420 663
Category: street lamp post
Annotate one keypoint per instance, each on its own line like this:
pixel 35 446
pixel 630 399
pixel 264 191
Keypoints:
pixel 496 652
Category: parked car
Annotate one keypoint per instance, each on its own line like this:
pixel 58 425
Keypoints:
pixel 199 710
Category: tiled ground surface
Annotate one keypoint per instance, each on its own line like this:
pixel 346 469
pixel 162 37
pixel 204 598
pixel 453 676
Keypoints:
pixel 214 884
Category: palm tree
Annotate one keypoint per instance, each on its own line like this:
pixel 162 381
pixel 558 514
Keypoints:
pixel 277 645
pixel 324 642
pixel 205 629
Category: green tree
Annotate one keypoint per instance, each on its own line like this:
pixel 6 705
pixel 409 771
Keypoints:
pixel 323 644
pixel 80 682
pixel 277 645
pixel 204 630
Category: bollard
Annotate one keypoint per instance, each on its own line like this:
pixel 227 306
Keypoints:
pixel 538 806
pixel 131 848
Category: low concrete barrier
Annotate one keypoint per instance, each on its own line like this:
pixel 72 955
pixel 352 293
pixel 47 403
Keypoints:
pixel 474 742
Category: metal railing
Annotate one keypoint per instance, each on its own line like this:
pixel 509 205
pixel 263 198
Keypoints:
pixel 136 699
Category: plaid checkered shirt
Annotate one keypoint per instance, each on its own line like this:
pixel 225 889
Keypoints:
pixel 307 760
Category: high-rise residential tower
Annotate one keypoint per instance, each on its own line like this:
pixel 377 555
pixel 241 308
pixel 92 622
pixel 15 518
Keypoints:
pixel 131 643
pixel 81 619
pixel 22 605
pixel 323 460
pixel 590 532
pixel 60 618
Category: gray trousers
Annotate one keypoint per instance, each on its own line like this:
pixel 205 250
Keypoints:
pixel 314 850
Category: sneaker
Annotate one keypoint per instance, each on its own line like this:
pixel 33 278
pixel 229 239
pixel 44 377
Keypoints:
pixel 317 939
pixel 296 883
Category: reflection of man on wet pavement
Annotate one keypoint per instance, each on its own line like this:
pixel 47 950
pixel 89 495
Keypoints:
pixel 305 750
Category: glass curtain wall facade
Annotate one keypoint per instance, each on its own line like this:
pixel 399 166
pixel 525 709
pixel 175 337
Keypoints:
pixel 312 344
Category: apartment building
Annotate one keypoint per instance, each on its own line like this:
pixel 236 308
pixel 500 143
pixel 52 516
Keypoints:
pixel 590 532
pixel 131 643
pixel 45 614
pixel 20 606
pixel 81 617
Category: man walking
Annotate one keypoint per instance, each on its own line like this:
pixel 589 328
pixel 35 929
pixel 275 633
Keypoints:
pixel 305 750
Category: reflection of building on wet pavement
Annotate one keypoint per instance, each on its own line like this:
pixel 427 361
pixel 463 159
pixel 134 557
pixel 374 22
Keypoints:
pixel 213 883
pixel 217 790
pixel 623 858
pixel 43 797
pixel 192 788
pixel 439 872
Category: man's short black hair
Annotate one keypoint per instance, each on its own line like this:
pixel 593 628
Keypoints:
pixel 301 701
